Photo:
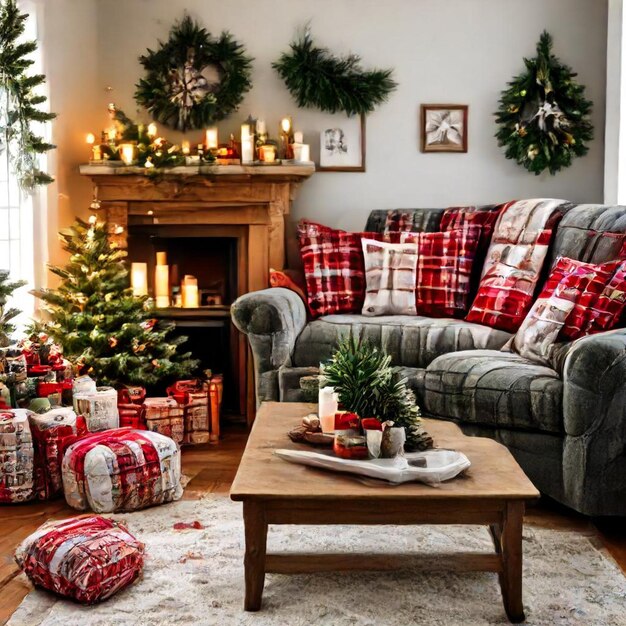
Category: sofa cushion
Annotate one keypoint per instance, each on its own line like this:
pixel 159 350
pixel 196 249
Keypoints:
pixel 411 341
pixel 593 233
pixel 496 389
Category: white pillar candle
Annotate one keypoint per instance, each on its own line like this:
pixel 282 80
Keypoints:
pixel 300 152
pixel 247 144
pixel 139 279
pixel 211 138
pixel 189 292
pixel 127 152
pixel 305 152
pixel 328 405
pixel 152 130
pixel 162 281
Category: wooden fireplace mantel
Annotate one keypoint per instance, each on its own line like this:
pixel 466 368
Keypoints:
pixel 248 203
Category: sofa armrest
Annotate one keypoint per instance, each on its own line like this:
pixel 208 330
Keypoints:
pixel 272 319
pixel 594 414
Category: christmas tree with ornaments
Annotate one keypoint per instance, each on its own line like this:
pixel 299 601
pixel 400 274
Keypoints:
pixel 105 330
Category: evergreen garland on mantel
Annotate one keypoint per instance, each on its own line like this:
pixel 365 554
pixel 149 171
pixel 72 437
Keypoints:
pixel 317 78
pixel 19 101
pixel 543 116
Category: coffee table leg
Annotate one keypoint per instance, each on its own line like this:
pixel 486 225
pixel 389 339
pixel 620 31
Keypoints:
pixel 510 537
pixel 254 560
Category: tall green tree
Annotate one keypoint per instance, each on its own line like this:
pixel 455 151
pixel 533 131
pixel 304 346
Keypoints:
pixel 104 329
pixel 21 100
pixel 7 313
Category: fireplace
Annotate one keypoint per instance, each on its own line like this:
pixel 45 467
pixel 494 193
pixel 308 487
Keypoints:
pixel 222 224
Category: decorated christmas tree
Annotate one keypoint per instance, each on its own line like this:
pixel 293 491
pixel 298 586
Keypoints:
pixel 104 330
pixel 367 384
pixel 7 314
pixel 21 100
pixel 543 119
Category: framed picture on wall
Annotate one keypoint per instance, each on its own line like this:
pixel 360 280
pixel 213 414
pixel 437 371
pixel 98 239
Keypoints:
pixel 342 145
pixel 443 127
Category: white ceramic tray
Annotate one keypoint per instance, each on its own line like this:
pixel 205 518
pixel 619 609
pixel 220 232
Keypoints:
pixel 431 466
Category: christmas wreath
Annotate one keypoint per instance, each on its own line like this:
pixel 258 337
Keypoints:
pixel 20 102
pixel 194 79
pixel 316 78
pixel 543 116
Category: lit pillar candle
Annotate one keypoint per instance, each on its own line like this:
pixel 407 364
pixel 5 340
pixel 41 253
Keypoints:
pixel 185 146
pixel 211 138
pixel 139 278
pixel 152 130
pixel 162 281
pixel 127 152
pixel 247 144
pixel 189 291
pixel 328 405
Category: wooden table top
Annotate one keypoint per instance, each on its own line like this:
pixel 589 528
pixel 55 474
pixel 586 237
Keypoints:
pixel 494 473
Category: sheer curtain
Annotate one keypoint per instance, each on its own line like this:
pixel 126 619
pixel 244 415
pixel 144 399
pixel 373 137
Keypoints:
pixel 18 210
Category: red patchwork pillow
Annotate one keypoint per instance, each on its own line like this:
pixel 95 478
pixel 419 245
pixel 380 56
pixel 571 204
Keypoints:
pixel 444 268
pixel 606 312
pixel 454 218
pixel 85 558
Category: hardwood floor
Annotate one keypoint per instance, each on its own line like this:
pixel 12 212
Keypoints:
pixel 211 469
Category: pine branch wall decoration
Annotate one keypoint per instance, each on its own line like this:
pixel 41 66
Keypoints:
pixel 20 102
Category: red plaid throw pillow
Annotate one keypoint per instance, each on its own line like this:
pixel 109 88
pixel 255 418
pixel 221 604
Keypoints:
pixel 454 218
pixel 444 267
pixel 610 305
pixel 333 268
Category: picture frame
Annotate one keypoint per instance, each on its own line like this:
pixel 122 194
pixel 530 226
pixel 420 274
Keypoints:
pixel 342 145
pixel 444 127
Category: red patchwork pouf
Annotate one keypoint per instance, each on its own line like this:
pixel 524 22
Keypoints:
pixel 121 470
pixel 17 457
pixel 53 432
pixel 84 558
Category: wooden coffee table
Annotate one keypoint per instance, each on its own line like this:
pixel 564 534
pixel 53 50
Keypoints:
pixel 492 492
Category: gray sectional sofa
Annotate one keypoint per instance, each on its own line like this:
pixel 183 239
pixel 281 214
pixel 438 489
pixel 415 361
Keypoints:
pixel 564 423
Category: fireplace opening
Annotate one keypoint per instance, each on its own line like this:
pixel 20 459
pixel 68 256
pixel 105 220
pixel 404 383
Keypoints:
pixel 213 262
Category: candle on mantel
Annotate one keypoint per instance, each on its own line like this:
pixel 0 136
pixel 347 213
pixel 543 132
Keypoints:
pixel 96 152
pixel 152 130
pixel 211 138
pixel 127 152
pixel 298 137
pixel 139 278
pixel 247 144
pixel 261 129
pixel 189 291
pixel 162 281
pixel 269 153
pixel 186 147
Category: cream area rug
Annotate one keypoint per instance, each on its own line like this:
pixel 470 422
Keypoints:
pixel 195 577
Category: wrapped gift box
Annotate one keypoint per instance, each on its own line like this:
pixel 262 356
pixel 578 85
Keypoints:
pixel 53 432
pixel 87 558
pixel 121 470
pixel 17 457
pixel 165 416
pixel 193 397
pixel 130 407
pixel 99 408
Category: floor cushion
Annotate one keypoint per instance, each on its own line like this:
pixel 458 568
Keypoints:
pixel 496 389
pixel 85 558
pixel 17 457
pixel 121 470
pixel 53 432
pixel 412 341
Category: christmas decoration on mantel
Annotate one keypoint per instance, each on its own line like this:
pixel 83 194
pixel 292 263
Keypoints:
pixel 543 116
pixel 20 104
pixel 317 78
pixel 103 329
pixel 194 79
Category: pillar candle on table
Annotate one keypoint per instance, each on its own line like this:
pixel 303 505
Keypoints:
pixel 211 138
pixel 328 404
pixel 189 290
pixel 139 278
pixel 162 281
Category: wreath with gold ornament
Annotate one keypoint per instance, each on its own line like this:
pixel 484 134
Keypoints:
pixel 194 79
pixel 543 116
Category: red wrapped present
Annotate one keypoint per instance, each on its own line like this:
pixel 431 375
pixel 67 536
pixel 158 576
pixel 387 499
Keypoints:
pixel 53 432
pixel 193 396
pixel 121 470
pixel 165 416
pixel 87 558
pixel 130 407
pixel 17 457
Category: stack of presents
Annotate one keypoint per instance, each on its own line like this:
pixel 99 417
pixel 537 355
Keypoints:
pixel 57 433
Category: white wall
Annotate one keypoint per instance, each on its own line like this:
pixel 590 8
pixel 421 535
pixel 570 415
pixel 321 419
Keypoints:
pixel 460 51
